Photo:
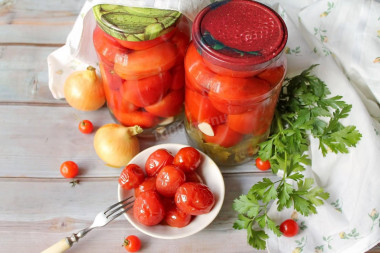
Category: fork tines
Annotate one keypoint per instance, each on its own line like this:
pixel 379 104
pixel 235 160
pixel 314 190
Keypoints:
pixel 120 205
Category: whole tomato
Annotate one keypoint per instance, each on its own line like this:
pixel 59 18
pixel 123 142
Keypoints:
pixel 194 198
pixel 132 243
pixel 175 217
pixel 85 126
pixel 262 165
pixel 169 178
pixel 149 184
pixel 148 208
pixel 188 159
pixel 157 160
pixel 131 177
pixel 289 228
pixel 69 169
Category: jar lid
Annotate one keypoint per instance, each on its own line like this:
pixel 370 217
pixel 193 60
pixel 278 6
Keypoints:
pixel 239 34
pixel 134 23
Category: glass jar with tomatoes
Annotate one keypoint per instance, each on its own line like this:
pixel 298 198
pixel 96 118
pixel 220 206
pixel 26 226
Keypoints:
pixel 234 69
pixel 141 52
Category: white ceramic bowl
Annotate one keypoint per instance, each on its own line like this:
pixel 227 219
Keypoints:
pixel 211 176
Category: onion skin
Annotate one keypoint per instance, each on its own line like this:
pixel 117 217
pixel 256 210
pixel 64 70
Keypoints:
pixel 83 90
pixel 116 145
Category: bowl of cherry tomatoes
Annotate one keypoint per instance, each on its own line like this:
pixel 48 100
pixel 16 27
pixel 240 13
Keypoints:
pixel 178 191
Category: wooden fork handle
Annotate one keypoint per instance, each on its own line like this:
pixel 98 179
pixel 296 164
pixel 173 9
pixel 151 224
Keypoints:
pixel 58 247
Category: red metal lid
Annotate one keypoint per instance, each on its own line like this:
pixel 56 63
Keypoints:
pixel 239 34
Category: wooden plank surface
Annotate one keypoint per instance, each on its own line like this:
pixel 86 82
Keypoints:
pixel 43 211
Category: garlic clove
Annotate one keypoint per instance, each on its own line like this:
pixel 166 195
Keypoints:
pixel 206 128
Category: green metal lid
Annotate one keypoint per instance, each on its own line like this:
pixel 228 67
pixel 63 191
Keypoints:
pixel 134 23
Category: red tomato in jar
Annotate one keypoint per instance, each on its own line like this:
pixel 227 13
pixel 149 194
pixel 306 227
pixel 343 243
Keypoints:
pixel 175 217
pixel 148 208
pixel 194 198
pixel 254 122
pixel 157 160
pixel 273 75
pixel 109 77
pixel 199 109
pixel 131 176
pixel 198 76
pixel 187 159
pixel 178 80
pixel 149 62
pixel 169 178
pixel 224 136
pixel 149 184
pixel 168 106
pixel 141 118
pixel 107 48
pixel 146 91
pixel 232 95
pixel 192 176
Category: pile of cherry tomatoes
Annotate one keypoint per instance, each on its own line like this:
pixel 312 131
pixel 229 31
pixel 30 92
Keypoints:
pixel 170 191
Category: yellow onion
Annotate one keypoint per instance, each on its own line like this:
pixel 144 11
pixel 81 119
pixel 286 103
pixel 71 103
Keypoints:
pixel 83 90
pixel 116 145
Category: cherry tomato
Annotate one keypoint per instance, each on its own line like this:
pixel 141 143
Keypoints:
pixel 149 184
pixel 175 217
pixel 131 177
pixel 169 178
pixel 132 243
pixel 157 160
pixel 85 126
pixel 148 208
pixel 69 169
pixel 192 176
pixel 262 165
pixel 194 198
pixel 289 228
pixel 187 159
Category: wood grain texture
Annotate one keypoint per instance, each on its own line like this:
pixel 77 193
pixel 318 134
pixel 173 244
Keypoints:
pixel 26 21
pixel 43 211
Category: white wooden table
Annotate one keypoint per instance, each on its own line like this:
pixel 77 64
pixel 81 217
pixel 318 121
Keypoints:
pixel 37 133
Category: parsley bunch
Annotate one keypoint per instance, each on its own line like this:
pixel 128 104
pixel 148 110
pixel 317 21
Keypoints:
pixel 304 109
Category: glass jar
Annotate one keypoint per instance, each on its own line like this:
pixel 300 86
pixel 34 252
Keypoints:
pixel 234 69
pixel 141 52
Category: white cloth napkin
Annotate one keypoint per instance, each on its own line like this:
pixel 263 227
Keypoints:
pixel 343 36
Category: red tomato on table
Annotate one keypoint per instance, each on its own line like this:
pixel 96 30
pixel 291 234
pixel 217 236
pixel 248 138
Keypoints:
pixel 86 126
pixel 69 169
pixel 132 243
pixel 289 228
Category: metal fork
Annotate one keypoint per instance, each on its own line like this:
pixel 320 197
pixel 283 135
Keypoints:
pixel 101 219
